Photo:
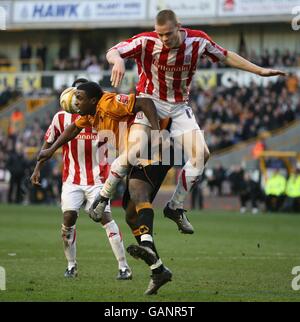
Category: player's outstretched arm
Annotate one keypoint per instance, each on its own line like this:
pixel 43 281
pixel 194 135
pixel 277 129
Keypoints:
pixel 36 174
pixel 118 70
pixel 68 134
pixel 236 61
pixel 147 106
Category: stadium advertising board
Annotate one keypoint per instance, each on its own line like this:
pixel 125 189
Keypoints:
pixel 78 11
pixel 256 7
pixel 185 9
pixel 229 78
pixel 4 14
pixel 26 82
pixel 206 79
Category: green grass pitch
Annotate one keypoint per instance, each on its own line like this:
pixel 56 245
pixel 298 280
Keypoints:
pixel 231 257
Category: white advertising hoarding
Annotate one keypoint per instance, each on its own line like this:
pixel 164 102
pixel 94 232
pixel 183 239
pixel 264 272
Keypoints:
pixel 78 11
pixel 256 7
pixel 185 8
pixel 4 14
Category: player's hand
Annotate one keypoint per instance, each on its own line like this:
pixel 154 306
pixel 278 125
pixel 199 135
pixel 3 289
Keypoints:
pixel 266 72
pixel 117 73
pixel 44 155
pixel 35 178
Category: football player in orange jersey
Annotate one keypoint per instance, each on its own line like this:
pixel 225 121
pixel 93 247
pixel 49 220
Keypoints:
pixel 104 111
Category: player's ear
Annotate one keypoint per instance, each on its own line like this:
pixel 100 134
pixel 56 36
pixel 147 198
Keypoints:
pixel 94 101
pixel 178 25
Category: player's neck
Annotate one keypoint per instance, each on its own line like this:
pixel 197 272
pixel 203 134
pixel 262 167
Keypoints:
pixel 181 37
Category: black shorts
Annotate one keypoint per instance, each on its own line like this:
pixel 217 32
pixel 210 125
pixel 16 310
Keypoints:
pixel 152 174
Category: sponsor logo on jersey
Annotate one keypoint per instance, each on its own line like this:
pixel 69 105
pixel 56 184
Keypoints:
pixel 87 136
pixel 171 68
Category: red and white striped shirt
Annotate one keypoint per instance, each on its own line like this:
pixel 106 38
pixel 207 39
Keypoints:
pixel 80 164
pixel 166 73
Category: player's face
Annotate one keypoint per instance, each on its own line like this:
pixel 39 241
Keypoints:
pixel 84 103
pixel 169 34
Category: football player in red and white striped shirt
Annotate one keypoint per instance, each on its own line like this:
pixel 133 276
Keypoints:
pixel 83 177
pixel 167 59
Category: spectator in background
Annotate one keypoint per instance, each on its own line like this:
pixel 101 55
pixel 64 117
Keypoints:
pixel 17 122
pixel 292 202
pixel 249 191
pixel 25 56
pixel 17 166
pixel 258 148
pixel 235 177
pixel 5 96
pixel 94 67
pixel 275 190
pixel 217 179
pixel 41 54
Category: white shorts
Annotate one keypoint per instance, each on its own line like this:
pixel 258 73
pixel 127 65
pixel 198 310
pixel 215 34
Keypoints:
pixel 183 119
pixel 74 196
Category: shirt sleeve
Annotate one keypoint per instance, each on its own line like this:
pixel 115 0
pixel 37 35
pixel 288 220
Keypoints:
pixel 129 48
pixel 119 106
pixel 214 51
pixel 83 121
pixel 53 131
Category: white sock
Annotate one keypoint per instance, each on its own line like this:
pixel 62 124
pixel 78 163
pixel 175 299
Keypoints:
pixel 116 242
pixel 116 174
pixel 187 177
pixel 69 239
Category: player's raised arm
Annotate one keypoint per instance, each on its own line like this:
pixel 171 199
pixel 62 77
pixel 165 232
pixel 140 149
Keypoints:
pixel 147 106
pixel 68 134
pixel 118 70
pixel 234 60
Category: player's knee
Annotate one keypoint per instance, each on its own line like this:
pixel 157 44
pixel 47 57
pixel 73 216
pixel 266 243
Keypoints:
pixel 119 167
pixel 70 218
pixel 200 159
pixel 131 214
pixel 139 191
pixel 106 218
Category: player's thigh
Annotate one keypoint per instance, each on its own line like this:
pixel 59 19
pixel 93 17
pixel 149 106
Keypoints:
pixel 138 139
pixel 72 197
pixel 162 109
pixel 183 121
pixel 140 190
pixel 188 138
pixel 91 192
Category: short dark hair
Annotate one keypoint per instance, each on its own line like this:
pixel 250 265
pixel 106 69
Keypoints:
pixel 92 89
pixel 166 15
pixel 79 81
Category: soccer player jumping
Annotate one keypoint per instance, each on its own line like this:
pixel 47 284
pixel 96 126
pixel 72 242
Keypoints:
pixel 167 59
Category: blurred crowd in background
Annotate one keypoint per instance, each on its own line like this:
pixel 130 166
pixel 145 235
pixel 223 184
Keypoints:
pixel 231 115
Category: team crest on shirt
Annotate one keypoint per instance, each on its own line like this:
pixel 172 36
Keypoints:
pixel 121 98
